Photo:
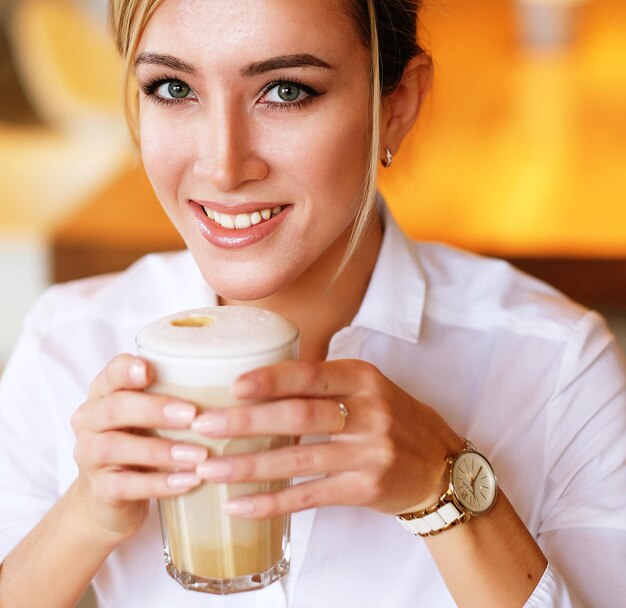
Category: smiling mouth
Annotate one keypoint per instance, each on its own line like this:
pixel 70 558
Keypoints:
pixel 243 220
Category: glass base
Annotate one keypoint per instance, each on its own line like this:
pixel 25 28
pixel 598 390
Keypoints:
pixel 226 586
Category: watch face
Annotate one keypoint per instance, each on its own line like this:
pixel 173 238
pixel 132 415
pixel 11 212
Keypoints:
pixel 473 482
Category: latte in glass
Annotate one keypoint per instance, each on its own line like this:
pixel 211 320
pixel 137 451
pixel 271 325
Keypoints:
pixel 197 355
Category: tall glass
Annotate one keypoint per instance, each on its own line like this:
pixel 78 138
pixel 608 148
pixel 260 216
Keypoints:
pixel 548 24
pixel 197 355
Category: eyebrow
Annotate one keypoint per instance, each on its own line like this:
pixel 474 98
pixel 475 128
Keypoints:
pixel 168 61
pixel 299 60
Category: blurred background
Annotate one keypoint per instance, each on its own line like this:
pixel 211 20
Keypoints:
pixel 520 151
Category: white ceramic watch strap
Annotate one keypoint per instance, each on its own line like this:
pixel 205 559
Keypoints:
pixel 432 522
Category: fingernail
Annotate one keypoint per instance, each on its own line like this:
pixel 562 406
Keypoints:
pixel 137 372
pixel 209 423
pixel 239 506
pixel 246 387
pixel 214 469
pixel 179 413
pixel 188 453
pixel 183 480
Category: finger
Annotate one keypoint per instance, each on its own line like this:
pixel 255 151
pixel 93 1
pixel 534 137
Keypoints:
pixel 341 489
pixel 117 448
pixel 286 417
pixel 134 409
pixel 122 372
pixel 127 485
pixel 292 378
pixel 288 462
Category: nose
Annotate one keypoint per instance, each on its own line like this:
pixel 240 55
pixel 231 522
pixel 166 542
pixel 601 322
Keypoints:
pixel 228 152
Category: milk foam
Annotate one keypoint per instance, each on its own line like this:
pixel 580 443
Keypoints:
pixel 209 346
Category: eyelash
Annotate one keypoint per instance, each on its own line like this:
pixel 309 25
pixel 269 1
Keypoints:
pixel 150 88
pixel 294 105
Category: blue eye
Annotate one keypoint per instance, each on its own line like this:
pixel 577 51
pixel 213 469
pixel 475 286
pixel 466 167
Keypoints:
pixel 288 95
pixel 286 92
pixel 174 89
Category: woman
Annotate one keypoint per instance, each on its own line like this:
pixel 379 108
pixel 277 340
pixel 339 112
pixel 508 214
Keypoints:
pixel 261 125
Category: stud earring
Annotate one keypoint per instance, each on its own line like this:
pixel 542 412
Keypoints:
pixel 388 158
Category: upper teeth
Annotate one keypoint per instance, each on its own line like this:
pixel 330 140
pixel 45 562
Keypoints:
pixel 242 220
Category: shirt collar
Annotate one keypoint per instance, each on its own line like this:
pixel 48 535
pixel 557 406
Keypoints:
pixel 394 300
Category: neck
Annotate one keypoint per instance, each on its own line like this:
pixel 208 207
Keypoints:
pixel 320 309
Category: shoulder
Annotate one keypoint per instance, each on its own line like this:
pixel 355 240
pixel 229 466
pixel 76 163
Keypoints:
pixel 534 329
pixel 480 292
pixel 154 285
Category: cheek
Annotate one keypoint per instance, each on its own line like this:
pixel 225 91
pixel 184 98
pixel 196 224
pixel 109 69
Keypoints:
pixel 345 151
pixel 163 154
pixel 327 157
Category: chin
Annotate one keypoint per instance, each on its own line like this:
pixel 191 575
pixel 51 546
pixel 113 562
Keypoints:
pixel 245 286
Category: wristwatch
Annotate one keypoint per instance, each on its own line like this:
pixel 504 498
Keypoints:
pixel 472 491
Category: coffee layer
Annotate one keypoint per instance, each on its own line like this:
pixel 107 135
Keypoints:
pixel 201 539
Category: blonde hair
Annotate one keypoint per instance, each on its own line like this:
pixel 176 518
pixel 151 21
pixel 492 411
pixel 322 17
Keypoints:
pixel 128 20
pixel 367 193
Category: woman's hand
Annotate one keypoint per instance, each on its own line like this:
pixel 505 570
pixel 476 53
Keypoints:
pixel 120 465
pixel 389 456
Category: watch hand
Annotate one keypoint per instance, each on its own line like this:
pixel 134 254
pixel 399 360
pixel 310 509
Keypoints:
pixel 476 476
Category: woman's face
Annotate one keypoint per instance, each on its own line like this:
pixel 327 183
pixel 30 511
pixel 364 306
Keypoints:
pixel 250 108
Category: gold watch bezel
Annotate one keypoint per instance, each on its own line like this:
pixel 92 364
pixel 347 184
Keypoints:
pixel 452 491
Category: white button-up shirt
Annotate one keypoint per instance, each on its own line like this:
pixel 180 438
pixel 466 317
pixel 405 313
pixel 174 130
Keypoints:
pixel 535 381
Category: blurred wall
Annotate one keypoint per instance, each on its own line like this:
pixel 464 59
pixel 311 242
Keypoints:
pixel 520 147
pixel 62 135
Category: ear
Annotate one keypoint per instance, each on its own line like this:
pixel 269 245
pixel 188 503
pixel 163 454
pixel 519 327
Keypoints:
pixel 400 109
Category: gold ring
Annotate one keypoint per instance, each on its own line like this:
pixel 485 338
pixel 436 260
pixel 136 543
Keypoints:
pixel 345 413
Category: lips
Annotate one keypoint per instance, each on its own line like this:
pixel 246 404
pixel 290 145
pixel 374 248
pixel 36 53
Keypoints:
pixel 235 227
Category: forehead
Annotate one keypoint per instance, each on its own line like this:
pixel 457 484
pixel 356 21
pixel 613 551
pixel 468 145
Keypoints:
pixel 255 27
